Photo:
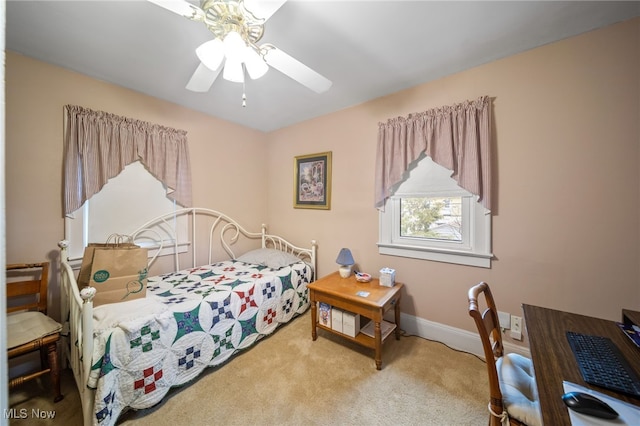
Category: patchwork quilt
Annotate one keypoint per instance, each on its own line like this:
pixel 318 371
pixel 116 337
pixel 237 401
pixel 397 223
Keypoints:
pixel 190 320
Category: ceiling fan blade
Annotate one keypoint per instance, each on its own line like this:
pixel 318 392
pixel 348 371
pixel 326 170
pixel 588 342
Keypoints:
pixel 203 78
pixel 295 69
pixel 181 8
pixel 263 9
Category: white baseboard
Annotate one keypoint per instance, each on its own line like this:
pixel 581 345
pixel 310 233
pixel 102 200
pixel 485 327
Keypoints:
pixel 455 338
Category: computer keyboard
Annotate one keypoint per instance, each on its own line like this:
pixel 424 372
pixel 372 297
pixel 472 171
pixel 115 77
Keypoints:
pixel 602 364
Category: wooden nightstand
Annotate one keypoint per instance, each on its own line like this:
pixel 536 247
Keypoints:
pixel 346 294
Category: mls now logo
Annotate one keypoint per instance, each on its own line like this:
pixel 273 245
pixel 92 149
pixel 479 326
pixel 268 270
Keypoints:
pixel 14 413
pixel 23 413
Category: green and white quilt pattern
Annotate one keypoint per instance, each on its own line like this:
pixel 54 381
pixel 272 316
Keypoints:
pixel 209 314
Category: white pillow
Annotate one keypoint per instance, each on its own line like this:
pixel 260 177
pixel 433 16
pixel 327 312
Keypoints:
pixel 272 258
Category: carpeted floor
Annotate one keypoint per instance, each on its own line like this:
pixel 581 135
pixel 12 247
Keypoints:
pixel 288 379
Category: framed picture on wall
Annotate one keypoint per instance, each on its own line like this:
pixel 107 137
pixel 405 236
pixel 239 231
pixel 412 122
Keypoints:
pixel 312 181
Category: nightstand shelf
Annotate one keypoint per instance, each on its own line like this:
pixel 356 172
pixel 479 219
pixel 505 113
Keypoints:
pixel 370 300
pixel 361 338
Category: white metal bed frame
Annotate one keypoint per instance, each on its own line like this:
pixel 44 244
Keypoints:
pixel 77 305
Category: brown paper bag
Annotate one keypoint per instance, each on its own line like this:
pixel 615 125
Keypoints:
pixel 118 271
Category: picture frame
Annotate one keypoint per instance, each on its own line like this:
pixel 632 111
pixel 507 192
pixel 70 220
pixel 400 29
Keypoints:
pixel 312 181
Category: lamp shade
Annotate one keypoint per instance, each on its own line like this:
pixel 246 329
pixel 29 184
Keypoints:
pixel 345 257
pixel 256 66
pixel 233 71
pixel 234 46
pixel 211 53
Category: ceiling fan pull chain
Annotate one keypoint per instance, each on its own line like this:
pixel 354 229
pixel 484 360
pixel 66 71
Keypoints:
pixel 244 96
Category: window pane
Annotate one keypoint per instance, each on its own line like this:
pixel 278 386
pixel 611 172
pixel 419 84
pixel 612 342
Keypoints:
pixel 437 218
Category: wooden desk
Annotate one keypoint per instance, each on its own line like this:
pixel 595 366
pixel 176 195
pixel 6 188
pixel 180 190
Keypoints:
pixel 342 293
pixel 631 317
pixel 553 360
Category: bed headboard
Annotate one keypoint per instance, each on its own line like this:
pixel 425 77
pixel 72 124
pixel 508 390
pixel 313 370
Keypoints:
pixel 186 230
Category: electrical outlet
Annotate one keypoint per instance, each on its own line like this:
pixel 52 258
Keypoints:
pixel 505 320
pixel 516 327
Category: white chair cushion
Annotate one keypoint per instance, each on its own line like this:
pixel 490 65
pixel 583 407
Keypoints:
pixel 23 327
pixel 519 390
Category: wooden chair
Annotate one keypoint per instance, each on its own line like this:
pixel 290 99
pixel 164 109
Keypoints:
pixel 29 329
pixel 512 387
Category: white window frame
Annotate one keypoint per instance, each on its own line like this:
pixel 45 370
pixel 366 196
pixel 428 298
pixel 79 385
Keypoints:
pixel 429 179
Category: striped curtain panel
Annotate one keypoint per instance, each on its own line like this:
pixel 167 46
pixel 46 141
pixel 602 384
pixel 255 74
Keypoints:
pixel 99 145
pixel 457 137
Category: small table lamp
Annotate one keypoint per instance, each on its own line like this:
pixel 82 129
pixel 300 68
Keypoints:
pixel 345 260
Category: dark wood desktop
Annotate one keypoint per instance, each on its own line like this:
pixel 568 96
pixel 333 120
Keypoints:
pixel 553 360
pixel 631 317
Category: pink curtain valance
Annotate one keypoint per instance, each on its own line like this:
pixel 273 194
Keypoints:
pixel 458 137
pixel 98 146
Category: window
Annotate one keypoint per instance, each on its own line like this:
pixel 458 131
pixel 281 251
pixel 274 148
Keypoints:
pixel 124 203
pixel 433 218
pixel 430 217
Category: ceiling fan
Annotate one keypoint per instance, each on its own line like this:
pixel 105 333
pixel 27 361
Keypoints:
pixel 237 26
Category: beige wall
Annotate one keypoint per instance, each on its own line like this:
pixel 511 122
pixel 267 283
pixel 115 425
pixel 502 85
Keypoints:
pixel 566 160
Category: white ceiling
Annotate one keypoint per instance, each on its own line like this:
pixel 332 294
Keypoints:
pixel 367 48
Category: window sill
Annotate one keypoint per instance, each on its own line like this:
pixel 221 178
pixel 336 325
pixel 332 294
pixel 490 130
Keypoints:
pixel 481 260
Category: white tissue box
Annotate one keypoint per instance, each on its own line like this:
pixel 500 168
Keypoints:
pixel 350 323
pixel 336 319
pixel 387 277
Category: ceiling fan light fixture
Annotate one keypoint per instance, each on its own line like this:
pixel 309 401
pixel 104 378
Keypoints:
pixel 234 46
pixel 233 71
pixel 211 53
pixel 256 66
pixel 237 26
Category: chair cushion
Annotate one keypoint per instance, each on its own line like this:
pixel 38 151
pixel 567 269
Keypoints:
pixel 23 327
pixel 519 390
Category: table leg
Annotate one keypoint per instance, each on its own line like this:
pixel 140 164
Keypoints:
pixel 314 316
pixel 397 318
pixel 378 334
